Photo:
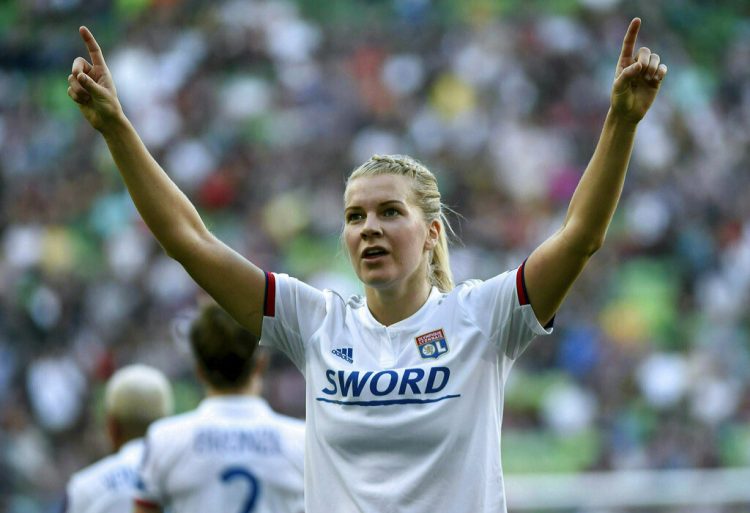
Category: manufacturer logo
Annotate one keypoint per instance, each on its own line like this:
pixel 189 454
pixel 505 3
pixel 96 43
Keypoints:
pixel 432 344
pixel 345 353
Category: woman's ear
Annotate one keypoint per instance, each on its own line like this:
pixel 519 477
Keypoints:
pixel 433 234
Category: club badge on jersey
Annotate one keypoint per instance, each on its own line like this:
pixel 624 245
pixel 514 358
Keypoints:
pixel 432 344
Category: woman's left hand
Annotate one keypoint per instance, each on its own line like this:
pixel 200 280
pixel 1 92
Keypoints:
pixel 637 78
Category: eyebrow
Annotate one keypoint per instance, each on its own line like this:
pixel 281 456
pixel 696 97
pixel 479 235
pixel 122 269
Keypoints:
pixel 382 204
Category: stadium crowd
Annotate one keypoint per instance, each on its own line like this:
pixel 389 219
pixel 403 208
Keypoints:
pixel 259 109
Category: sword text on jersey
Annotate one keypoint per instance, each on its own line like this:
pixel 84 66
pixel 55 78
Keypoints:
pixel 414 380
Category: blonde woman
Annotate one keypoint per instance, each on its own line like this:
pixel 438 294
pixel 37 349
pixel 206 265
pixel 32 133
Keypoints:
pixel 405 384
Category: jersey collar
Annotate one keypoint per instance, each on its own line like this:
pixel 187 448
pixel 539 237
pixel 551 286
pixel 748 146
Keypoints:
pixel 414 320
pixel 135 444
pixel 232 405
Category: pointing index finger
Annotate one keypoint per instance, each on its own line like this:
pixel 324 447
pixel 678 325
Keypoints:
pixel 628 44
pixel 95 52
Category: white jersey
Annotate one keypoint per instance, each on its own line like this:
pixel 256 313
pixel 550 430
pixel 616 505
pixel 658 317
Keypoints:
pixel 232 454
pixel 404 418
pixel 107 486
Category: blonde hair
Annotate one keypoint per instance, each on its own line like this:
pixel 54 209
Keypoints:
pixel 426 196
pixel 138 395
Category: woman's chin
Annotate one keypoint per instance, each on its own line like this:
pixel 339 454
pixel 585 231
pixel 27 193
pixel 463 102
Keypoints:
pixel 376 280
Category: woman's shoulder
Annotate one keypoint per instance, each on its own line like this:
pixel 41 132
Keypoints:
pixel 336 289
pixel 475 289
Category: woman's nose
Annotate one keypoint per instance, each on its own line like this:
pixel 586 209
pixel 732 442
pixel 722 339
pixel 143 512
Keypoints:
pixel 371 227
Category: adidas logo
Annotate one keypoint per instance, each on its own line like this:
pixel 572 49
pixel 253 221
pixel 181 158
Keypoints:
pixel 345 353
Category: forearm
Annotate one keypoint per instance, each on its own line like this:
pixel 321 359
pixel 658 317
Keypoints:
pixel 598 192
pixel 552 268
pixel 169 214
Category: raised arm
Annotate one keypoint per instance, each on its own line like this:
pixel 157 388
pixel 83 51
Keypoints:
pixel 234 282
pixel 553 267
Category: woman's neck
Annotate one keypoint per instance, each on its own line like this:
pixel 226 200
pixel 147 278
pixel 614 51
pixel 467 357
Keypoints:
pixel 392 305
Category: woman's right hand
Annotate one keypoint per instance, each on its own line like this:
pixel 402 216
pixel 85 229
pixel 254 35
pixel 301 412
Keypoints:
pixel 91 86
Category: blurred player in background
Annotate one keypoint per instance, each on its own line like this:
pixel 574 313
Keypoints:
pixel 135 396
pixel 233 454
pixel 404 385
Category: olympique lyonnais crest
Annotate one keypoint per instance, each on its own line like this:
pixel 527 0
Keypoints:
pixel 432 344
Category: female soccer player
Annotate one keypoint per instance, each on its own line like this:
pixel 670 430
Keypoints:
pixel 404 385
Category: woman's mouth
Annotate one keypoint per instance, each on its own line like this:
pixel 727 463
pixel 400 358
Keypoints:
pixel 373 253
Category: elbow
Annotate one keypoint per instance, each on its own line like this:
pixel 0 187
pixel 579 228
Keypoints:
pixel 171 252
pixel 583 242
pixel 592 246
pixel 183 246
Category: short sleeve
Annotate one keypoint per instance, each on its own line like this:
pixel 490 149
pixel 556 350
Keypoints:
pixel 148 491
pixel 293 311
pixel 74 502
pixel 500 307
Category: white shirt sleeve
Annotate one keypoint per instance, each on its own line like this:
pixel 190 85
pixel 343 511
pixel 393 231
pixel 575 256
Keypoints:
pixel 500 307
pixel 74 501
pixel 148 492
pixel 293 313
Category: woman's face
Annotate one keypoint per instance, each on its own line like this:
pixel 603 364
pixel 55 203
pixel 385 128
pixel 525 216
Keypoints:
pixel 385 233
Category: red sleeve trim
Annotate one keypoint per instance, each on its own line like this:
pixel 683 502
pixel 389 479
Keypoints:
pixel 147 504
pixel 523 296
pixel 269 303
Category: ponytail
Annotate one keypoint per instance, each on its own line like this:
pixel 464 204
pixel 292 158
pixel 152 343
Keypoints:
pixel 440 274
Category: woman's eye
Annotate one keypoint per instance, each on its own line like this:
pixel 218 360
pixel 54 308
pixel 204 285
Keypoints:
pixel 354 216
pixel 390 212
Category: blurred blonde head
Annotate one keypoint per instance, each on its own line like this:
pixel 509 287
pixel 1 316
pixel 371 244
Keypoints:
pixel 136 396
pixel 426 196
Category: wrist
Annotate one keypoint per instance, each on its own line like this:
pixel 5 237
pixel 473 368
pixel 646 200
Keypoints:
pixel 114 125
pixel 620 122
